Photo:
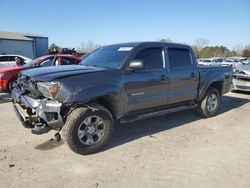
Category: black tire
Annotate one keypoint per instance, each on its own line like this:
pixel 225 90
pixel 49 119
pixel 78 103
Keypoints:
pixel 10 86
pixel 203 104
pixel 76 119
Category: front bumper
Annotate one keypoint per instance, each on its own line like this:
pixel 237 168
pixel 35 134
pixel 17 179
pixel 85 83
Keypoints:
pixel 241 82
pixel 34 113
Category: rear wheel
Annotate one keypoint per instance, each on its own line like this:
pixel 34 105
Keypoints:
pixel 88 130
pixel 210 104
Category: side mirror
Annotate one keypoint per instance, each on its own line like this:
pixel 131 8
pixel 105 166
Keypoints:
pixel 136 65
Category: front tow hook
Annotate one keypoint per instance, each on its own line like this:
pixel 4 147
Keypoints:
pixel 40 129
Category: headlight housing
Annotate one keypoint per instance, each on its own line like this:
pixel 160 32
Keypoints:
pixel 49 89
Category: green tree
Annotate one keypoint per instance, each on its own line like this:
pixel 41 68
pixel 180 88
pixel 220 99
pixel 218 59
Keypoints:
pixel 215 51
pixel 246 52
pixel 53 45
pixel 54 49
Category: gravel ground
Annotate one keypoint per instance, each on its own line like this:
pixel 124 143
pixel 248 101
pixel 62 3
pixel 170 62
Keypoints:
pixel 176 150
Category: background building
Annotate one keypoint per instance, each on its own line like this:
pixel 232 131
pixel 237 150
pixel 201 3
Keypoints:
pixel 27 44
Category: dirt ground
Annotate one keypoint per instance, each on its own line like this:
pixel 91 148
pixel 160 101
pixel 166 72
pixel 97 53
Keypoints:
pixel 176 150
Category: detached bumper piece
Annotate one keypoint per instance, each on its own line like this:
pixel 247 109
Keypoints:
pixel 241 82
pixel 40 115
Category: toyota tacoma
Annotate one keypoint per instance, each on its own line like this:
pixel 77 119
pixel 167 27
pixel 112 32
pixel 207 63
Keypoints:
pixel 117 83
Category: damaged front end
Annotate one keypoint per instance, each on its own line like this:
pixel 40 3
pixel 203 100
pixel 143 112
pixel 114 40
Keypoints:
pixel 241 82
pixel 36 112
pixel 241 78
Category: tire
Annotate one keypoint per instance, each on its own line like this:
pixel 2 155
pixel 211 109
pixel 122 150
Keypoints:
pixel 203 109
pixel 83 131
pixel 10 86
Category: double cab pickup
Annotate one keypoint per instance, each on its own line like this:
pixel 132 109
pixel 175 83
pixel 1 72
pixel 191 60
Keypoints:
pixel 117 83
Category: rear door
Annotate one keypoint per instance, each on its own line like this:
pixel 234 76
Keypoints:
pixel 183 75
pixel 147 88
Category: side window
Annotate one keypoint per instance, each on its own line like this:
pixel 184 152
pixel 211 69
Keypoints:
pixel 47 62
pixel 151 57
pixel 77 61
pixel 179 58
pixel 3 58
pixel 68 61
pixel 12 58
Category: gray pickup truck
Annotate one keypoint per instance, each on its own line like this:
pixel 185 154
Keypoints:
pixel 116 83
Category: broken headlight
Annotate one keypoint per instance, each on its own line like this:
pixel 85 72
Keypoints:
pixel 49 89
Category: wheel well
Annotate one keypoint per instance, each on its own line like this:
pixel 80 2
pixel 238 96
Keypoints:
pixel 10 81
pixel 217 85
pixel 108 103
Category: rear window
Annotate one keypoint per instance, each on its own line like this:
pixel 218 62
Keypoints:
pixel 179 58
pixel 12 58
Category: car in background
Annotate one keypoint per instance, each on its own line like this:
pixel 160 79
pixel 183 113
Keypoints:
pixel 217 60
pixel 205 62
pixel 8 60
pixel 245 60
pixel 241 78
pixel 8 75
pixel 231 61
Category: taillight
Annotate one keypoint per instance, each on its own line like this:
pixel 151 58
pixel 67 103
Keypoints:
pixel 3 84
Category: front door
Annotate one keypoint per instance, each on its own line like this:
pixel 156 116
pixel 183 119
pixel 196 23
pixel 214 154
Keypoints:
pixel 147 88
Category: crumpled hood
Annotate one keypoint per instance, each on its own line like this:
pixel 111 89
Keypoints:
pixel 56 72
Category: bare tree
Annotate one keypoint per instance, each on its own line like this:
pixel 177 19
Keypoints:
pixel 165 40
pixel 88 46
pixel 238 49
pixel 201 43
pixel 196 51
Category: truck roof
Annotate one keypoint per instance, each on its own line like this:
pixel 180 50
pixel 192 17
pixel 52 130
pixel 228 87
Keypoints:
pixel 136 44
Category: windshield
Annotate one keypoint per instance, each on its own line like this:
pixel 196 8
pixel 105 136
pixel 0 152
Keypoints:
pixel 109 56
pixel 32 63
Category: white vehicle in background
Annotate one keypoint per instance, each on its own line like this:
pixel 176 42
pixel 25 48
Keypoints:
pixel 245 60
pixel 232 61
pixel 8 60
pixel 217 60
pixel 205 61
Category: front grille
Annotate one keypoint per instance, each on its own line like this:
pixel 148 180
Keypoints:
pixel 28 87
pixel 242 77
pixel 243 87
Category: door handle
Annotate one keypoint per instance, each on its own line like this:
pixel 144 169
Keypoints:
pixel 193 75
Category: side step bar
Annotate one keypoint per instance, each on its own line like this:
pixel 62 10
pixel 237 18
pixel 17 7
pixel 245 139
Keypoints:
pixel 157 113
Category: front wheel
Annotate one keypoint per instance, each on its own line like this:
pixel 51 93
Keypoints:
pixel 11 85
pixel 88 130
pixel 210 104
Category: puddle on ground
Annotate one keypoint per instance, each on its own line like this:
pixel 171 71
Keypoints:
pixel 49 145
